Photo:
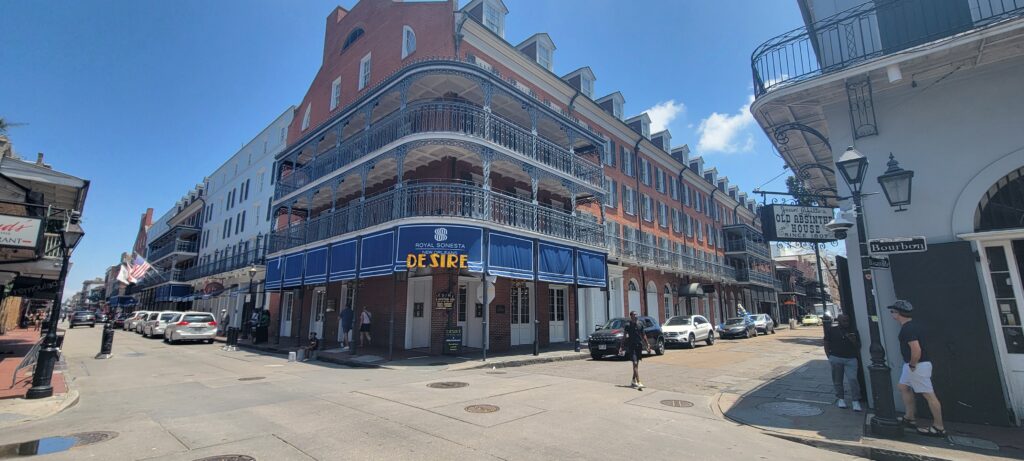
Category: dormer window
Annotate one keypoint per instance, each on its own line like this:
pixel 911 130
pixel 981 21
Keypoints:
pixel 587 86
pixel 494 18
pixel 646 128
pixel 352 37
pixel 617 109
pixel 544 56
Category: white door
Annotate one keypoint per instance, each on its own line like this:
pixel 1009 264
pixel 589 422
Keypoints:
pixel 286 313
pixel 653 309
pixel 634 298
pixel 1003 283
pixel 470 314
pixel 615 297
pixel 418 313
pixel 521 314
pixel 316 321
pixel 591 305
pixel 557 330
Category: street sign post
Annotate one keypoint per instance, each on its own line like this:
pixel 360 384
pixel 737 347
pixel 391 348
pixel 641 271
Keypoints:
pixel 888 246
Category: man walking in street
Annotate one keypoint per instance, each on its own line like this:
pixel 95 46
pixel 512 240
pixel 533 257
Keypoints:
pixel 841 346
pixel 917 371
pixel 636 344
pixel 347 315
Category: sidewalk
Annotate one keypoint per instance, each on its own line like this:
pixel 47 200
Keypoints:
pixel 376 356
pixel 14 409
pixel 799 406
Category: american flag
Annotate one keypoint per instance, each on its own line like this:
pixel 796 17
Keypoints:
pixel 138 268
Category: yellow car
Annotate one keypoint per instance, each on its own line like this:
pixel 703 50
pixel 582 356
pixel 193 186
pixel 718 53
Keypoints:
pixel 811 319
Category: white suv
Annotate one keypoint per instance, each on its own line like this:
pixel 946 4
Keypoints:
pixel 191 326
pixel 687 330
pixel 156 323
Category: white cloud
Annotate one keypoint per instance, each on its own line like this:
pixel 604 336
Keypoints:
pixel 727 133
pixel 663 113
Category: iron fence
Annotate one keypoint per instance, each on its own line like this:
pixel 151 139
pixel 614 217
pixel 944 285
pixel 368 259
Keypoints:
pixel 652 255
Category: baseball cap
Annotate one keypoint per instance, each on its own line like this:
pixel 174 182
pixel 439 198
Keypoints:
pixel 902 306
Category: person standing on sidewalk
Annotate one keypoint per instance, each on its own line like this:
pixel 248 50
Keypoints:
pixel 364 327
pixel 636 343
pixel 347 315
pixel 841 346
pixel 917 370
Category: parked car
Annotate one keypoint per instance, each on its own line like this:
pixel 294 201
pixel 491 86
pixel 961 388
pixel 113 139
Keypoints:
pixel 764 323
pixel 191 326
pixel 811 319
pixel 83 318
pixel 156 323
pixel 610 338
pixel 687 330
pixel 101 317
pixel 737 327
pixel 119 319
pixel 132 323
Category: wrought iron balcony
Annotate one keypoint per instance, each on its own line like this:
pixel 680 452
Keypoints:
pixel 865 32
pixel 439 199
pixel 748 246
pixel 175 246
pixel 225 264
pixel 442 117
pixel 51 246
pixel 155 277
pixel 752 276
pixel 650 255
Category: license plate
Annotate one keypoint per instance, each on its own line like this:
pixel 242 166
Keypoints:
pixel 602 347
pixel 197 328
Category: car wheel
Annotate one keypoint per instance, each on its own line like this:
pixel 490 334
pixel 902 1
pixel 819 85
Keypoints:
pixel 595 356
pixel 92 326
pixel 659 349
pixel 772 331
pixel 690 344
pixel 711 338
pixel 209 341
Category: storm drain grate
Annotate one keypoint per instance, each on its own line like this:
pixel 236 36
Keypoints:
pixel 791 409
pixel 252 378
pixel 447 385
pixel 677 403
pixel 482 408
pixel 227 458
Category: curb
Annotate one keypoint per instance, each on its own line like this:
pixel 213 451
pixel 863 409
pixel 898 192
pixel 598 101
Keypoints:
pixel 524 362
pixel 274 350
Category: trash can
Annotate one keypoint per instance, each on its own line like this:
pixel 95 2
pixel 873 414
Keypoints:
pixel 792 324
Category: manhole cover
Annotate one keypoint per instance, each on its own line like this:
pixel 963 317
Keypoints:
pixel 677 403
pixel 437 364
pixel 251 378
pixel 482 408
pixel 791 409
pixel 447 385
pixel 227 458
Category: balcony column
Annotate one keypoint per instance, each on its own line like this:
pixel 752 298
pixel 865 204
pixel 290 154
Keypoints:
pixel 403 95
pixel 486 157
pixel 534 183
pixel 574 168
pixel 533 130
pixel 337 146
pixel 399 204
pixel 488 90
pixel 364 173
pixel 288 230
pixel 306 237
pixel 367 115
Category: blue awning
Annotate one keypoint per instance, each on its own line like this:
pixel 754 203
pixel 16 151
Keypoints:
pixel 510 256
pixel 555 263
pixel 316 266
pixel 292 270
pixel 273 280
pixel 592 268
pixel 343 261
pixel 377 254
pixel 440 239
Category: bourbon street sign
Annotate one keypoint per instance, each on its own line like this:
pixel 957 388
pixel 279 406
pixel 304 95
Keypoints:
pixel 897 245
pixel 792 223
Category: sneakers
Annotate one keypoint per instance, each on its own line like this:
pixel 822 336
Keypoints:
pixel 840 403
pixel 632 384
pixel 856 405
pixel 639 385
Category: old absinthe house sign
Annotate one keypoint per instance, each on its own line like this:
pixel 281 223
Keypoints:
pixel 793 223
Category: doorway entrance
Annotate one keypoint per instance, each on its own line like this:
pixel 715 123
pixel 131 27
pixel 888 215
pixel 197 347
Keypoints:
pixel 470 313
pixel 418 310
pixel 521 313
pixel 557 327
pixel 316 321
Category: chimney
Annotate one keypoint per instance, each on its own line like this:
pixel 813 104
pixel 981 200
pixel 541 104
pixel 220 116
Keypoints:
pixel 39 159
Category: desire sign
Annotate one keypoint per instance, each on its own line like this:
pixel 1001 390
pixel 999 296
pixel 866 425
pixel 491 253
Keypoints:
pixel 437 261
pixel 792 223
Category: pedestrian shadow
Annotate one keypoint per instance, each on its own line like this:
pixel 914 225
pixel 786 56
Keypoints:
pixel 803 341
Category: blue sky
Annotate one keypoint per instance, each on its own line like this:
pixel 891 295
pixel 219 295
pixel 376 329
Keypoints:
pixel 145 98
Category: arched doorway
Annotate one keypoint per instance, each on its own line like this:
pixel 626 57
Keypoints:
pixel 634 297
pixel 653 308
pixel 999 233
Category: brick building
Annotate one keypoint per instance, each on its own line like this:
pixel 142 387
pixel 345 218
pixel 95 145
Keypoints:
pixel 426 131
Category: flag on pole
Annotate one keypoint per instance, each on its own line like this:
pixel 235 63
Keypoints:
pixel 139 268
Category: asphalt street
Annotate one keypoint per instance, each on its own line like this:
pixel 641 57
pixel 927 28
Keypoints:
pixel 188 402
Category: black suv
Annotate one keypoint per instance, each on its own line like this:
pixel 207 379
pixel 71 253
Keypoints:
pixel 610 338
pixel 83 318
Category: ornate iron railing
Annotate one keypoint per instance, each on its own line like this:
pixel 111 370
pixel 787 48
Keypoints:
pixel 175 246
pixel 225 264
pixel 651 255
pixel 441 117
pixel 752 276
pixel 441 199
pixel 747 245
pixel 865 32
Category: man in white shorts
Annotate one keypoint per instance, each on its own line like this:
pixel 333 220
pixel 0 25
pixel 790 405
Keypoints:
pixel 917 371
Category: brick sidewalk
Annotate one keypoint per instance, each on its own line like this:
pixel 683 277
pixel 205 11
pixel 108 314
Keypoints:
pixel 14 345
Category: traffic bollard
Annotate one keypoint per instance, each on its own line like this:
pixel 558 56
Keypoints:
pixel 577 348
pixel 107 344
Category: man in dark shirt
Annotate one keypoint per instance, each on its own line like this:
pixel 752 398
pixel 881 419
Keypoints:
pixel 841 345
pixel 636 344
pixel 917 370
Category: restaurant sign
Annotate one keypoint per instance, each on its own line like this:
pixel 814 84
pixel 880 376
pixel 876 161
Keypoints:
pixel 20 232
pixel 439 246
pixel 793 223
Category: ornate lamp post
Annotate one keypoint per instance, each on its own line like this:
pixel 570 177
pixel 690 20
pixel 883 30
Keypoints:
pixel 70 235
pixel 248 307
pixel 896 183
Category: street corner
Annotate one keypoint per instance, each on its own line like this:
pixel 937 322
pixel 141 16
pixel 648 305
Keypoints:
pixel 17 411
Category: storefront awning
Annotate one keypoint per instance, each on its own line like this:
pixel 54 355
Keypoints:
pixel 273 280
pixel 555 263
pixel 316 266
pixel 343 261
pixel 377 254
pixel 292 270
pixel 592 268
pixel 510 256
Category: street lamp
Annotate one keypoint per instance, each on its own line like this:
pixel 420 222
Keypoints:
pixel 896 183
pixel 70 235
pixel 853 166
pixel 247 307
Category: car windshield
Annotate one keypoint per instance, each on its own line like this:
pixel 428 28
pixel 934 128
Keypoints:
pixel 166 317
pixel 615 324
pixel 735 321
pixel 678 321
pixel 197 318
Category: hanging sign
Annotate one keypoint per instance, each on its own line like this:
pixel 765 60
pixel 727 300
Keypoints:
pixel 20 232
pixel 439 246
pixel 793 223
